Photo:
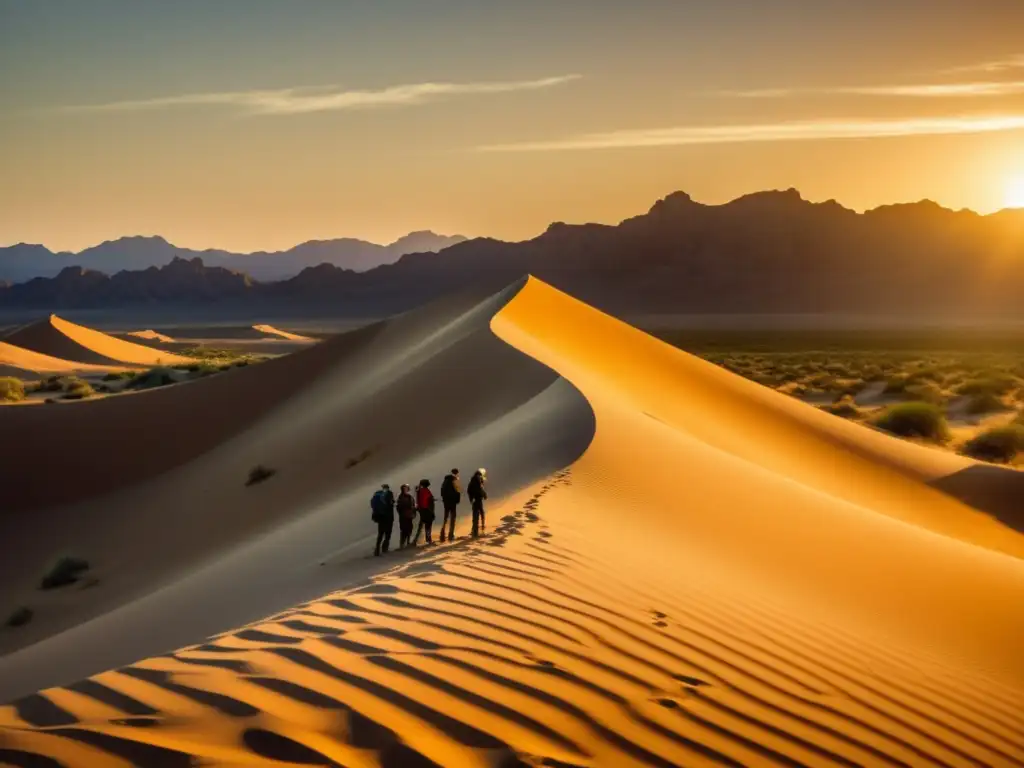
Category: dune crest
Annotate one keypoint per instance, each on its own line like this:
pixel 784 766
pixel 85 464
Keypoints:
pixel 722 576
pixel 26 364
pixel 151 335
pixel 270 330
pixel 65 340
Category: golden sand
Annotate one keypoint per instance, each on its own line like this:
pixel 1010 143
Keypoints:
pixel 65 340
pixel 270 330
pixel 724 576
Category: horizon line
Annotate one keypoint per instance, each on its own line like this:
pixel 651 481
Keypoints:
pixel 776 190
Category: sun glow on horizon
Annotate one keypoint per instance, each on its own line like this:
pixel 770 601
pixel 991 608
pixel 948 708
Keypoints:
pixel 1014 196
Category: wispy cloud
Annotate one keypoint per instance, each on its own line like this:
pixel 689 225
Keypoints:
pixel 294 101
pixel 811 130
pixel 912 90
pixel 997 65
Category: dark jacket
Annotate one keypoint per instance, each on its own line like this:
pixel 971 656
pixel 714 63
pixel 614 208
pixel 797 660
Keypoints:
pixel 451 491
pixel 406 506
pixel 386 510
pixel 477 490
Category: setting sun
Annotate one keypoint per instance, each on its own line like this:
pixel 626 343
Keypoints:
pixel 1015 192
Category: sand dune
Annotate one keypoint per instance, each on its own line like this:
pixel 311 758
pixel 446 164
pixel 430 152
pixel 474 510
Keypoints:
pixel 151 335
pixel 66 341
pixel 720 575
pixel 26 364
pixel 270 330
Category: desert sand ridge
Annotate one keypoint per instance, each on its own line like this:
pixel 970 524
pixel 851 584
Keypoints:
pixel 722 576
pixel 67 341
pixel 26 364
pixel 371 398
pixel 150 335
pixel 273 332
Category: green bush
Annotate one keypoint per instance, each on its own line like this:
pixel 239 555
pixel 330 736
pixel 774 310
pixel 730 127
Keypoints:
pixel 984 402
pixel 999 384
pixel 154 377
pixel 926 392
pixel 11 389
pixel 66 570
pixel 999 444
pixel 917 419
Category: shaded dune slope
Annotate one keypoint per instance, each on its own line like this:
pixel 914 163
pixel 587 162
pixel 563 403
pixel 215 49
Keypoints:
pixel 405 399
pixel 59 338
pixel 724 576
pixel 26 364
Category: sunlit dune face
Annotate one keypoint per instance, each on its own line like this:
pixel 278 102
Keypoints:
pixel 1015 192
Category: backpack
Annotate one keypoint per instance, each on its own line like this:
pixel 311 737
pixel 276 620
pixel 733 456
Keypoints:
pixel 377 505
pixel 424 499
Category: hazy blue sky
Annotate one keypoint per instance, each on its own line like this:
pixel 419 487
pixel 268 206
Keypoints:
pixel 253 124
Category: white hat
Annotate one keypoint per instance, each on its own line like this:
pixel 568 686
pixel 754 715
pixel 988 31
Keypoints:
pixel 482 471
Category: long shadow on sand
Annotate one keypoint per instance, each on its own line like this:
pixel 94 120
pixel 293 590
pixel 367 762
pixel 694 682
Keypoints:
pixel 997 491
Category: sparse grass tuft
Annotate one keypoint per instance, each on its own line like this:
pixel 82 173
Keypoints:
pixel 998 384
pixel 259 474
pixel 353 461
pixel 915 419
pixel 999 444
pixel 66 570
pixel 11 389
pixel 20 617
pixel 154 377
pixel 120 376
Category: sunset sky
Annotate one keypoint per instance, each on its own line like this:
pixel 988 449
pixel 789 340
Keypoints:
pixel 249 124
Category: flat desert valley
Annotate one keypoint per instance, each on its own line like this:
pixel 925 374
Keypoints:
pixel 682 567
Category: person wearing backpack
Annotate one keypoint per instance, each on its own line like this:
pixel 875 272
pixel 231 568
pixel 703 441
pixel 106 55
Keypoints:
pixel 425 506
pixel 383 506
pixel 451 495
pixel 477 492
pixel 406 507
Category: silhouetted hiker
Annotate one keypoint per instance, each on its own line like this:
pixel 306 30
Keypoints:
pixel 451 495
pixel 383 506
pixel 477 492
pixel 406 506
pixel 425 506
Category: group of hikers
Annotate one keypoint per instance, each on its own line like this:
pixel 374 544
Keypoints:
pixel 408 504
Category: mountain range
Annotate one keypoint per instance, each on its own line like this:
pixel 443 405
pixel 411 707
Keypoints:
pixel 24 261
pixel 768 252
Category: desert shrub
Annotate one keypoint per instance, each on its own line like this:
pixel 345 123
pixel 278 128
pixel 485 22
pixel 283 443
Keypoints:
pixel 999 384
pixel 66 570
pixel 11 389
pixel 154 377
pixel 915 419
pixel 984 402
pixel 79 390
pixel 353 461
pixel 896 385
pixel 55 383
pixel 926 392
pixel 259 473
pixel 120 376
pixel 20 617
pixel 999 444
pixel 843 407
